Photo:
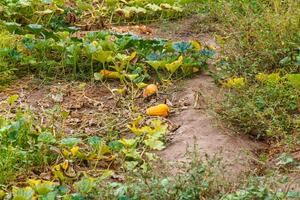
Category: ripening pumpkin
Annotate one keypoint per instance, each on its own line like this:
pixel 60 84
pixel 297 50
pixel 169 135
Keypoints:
pixel 161 110
pixel 150 90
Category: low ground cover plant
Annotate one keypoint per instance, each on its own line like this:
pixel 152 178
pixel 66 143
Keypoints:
pixel 267 108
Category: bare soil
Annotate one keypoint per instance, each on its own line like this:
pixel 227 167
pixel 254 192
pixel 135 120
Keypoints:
pixel 201 130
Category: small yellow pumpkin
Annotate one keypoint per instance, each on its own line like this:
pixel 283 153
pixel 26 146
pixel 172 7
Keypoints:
pixel 161 110
pixel 150 90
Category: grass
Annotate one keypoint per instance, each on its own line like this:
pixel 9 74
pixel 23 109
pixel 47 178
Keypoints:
pixel 264 109
pixel 255 35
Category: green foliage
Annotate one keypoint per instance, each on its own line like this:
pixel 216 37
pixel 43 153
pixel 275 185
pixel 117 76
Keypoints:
pixel 269 108
pixel 19 148
pixel 256 35
pixel 259 188
pixel 107 52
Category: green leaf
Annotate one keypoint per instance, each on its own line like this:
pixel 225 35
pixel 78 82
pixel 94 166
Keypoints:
pixel 85 185
pixel 132 153
pixel 154 143
pixel 156 64
pixel 23 193
pixel 128 142
pixel 130 165
pixel 95 141
pixel 115 145
pixel 49 196
pixel 153 7
pixel 46 138
pixel 98 76
pixel 182 47
pixel 103 56
pixel 70 142
pixel 35 26
pixel 12 26
pixel 44 188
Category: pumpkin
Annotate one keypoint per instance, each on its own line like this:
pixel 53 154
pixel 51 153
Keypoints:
pixel 161 110
pixel 150 90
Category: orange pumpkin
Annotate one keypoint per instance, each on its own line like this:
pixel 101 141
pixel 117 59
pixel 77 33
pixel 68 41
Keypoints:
pixel 161 110
pixel 150 90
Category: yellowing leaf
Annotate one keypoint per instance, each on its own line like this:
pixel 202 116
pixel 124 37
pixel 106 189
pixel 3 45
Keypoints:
pixel 44 12
pixel 294 80
pixel 156 64
pixel 33 182
pixel 106 174
pixel 2 194
pixel 153 7
pixel 141 85
pixel 12 99
pixel 110 74
pixel 261 77
pixel 132 56
pixel 104 149
pixel 65 165
pixel 74 150
pixel 177 8
pixel 273 78
pixel 195 70
pixel 236 83
pixel 165 6
pixel 41 187
pixel 172 67
pixel 197 46
pixel 127 142
pixel 121 91
pixel 66 153
pixel 103 56
pixel 212 47
pixel 56 167
pixel 132 153
pixel 131 77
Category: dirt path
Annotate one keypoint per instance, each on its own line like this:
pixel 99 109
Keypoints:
pixel 200 127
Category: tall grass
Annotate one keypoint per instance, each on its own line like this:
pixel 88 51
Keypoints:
pixel 257 34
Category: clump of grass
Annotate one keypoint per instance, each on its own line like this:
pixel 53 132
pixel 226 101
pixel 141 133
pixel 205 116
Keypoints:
pixel 256 35
pixel 268 108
